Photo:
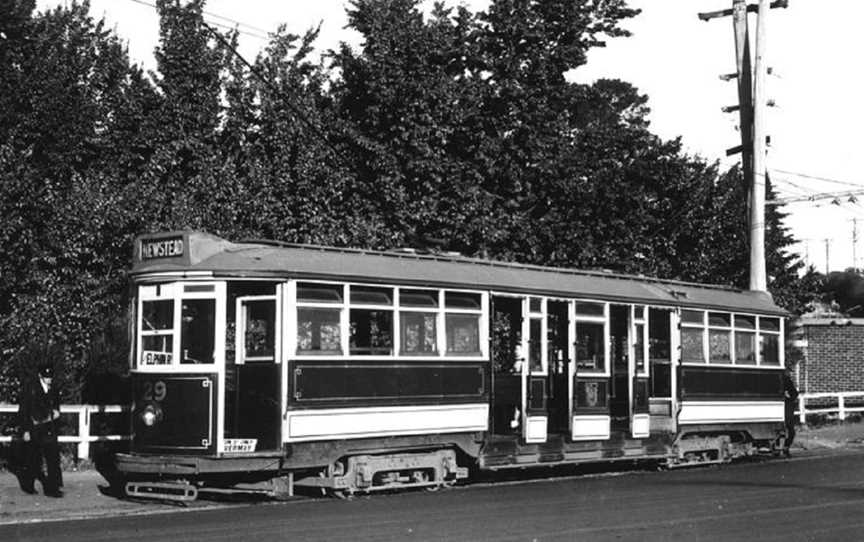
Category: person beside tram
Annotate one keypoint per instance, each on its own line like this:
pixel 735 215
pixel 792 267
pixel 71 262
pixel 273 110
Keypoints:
pixel 790 401
pixel 38 412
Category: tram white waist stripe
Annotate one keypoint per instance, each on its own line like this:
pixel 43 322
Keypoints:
pixel 341 423
pixel 730 411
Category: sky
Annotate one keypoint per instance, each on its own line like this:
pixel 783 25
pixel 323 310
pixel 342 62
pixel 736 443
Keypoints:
pixel 675 59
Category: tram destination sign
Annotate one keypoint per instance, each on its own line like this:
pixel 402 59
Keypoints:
pixel 166 247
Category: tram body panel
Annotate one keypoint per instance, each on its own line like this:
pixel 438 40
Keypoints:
pixel 174 413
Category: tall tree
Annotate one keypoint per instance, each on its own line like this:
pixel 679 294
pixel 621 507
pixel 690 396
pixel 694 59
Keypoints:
pixel 65 81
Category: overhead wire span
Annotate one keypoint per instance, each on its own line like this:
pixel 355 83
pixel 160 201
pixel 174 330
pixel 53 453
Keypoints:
pixel 256 32
pixel 817 178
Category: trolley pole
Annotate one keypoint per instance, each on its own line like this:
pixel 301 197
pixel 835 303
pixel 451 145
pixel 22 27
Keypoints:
pixel 752 104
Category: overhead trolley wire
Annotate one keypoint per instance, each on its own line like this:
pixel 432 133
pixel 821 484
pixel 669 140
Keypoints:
pixel 254 31
pixel 817 178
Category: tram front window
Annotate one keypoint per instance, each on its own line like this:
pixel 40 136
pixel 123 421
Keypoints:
pixel 197 331
pixel 157 337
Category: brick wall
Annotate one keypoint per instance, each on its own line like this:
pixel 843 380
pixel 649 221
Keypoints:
pixel 833 360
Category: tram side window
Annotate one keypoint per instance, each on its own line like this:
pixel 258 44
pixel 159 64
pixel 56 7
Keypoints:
pixel 745 340
pixel 197 331
pixel 318 331
pixel 462 323
pixel 418 324
pixel 319 316
pixel 639 347
pixel 590 351
pixel 371 329
pixel 769 340
pixel 692 337
pixel 259 339
pixel 732 338
pixel 371 332
pixel 418 332
pixel 660 352
pixel 157 332
pixel 720 337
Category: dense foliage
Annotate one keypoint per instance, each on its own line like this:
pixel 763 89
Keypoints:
pixel 452 130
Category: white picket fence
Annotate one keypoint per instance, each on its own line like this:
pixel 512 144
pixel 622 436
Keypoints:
pixel 84 414
pixel 841 398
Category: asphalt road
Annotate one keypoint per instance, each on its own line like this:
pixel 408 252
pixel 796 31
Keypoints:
pixel 810 498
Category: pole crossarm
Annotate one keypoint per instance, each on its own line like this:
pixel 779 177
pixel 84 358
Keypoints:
pixel 753 8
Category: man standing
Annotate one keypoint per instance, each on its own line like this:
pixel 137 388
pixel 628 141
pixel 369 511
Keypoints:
pixel 38 411
pixel 790 399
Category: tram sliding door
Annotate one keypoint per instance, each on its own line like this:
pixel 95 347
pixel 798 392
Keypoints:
pixel 640 417
pixel 629 343
pixel 547 402
pixel 507 352
pixel 558 336
pixel 591 371
pixel 534 371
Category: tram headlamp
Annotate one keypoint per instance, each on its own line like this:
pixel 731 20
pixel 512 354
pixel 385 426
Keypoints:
pixel 151 415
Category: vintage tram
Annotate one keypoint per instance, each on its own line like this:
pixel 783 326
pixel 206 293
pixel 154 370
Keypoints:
pixel 264 366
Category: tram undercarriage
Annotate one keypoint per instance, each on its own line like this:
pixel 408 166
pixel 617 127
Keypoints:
pixel 367 468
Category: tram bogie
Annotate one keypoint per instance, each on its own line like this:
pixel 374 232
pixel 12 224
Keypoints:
pixel 264 366
pixel 380 472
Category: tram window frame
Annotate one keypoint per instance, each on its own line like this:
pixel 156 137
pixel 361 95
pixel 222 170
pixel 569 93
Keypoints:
pixel 765 332
pixel 536 354
pixel 367 311
pixel 742 330
pixel 446 312
pixel 178 293
pixel 640 341
pixel 693 326
pixel 322 304
pixel 593 318
pixel 193 312
pixel 763 337
pixel 243 306
pixel 720 334
pixel 464 305
pixel 158 331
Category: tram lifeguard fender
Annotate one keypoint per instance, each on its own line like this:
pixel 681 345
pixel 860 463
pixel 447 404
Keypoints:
pixel 180 248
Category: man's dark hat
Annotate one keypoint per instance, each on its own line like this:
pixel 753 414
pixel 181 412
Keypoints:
pixel 46 371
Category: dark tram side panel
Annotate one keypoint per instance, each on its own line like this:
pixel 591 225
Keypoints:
pixel 375 382
pixel 729 383
pixel 184 409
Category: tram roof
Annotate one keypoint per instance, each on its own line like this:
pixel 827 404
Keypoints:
pixel 196 253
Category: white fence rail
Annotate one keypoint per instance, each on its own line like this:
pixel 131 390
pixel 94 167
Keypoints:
pixel 84 413
pixel 842 399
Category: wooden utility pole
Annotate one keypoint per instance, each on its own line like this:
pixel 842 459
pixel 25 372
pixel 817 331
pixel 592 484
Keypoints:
pixel 758 280
pixel 752 104
pixel 745 85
